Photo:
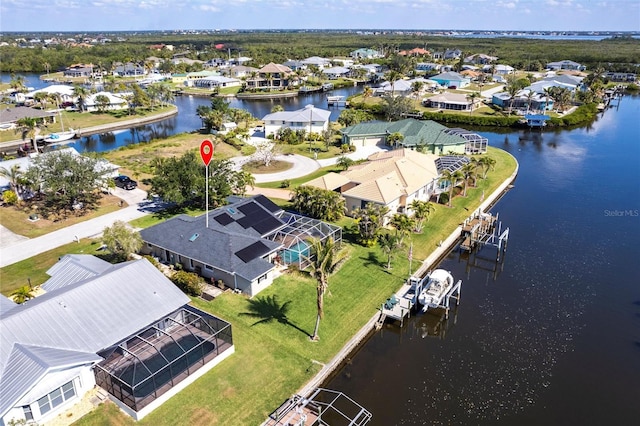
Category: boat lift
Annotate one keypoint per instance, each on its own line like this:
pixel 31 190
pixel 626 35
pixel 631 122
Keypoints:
pixel 484 229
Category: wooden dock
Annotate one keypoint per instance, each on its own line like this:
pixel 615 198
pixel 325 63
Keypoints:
pixel 482 229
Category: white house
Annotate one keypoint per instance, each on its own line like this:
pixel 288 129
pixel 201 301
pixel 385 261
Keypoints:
pixel 309 119
pixel 115 101
pixel 96 325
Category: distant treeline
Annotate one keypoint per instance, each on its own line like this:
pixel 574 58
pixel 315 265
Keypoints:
pixel 615 54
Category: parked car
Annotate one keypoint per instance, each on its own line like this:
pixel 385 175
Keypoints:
pixel 125 182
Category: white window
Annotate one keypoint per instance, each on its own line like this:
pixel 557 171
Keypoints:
pixel 56 397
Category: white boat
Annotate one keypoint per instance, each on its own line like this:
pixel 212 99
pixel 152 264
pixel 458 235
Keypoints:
pixel 435 287
pixel 60 136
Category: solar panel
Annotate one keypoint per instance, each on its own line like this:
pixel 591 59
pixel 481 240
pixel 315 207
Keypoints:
pixel 223 219
pixel 267 225
pixel 253 251
pixel 249 208
pixel 267 203
pixel 254 216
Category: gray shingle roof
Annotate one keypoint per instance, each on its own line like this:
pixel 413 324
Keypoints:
pixel 69 324
pixel 220 246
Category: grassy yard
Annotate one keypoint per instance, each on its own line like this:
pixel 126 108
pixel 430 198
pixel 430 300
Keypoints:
pixel 80 120
pixel 273 360
pixel 294 183
pixel 17 220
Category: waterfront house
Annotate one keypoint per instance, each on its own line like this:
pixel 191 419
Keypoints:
pixel 317 61
pixel 565 65
pixel 538 101
pixel 78 70
pixel 273 76
pixel 129 70
pixel 433 137
pixel 294 65
pixel 451 101
pixel 65 92
pixel 115 102
pixel 125 328
pixel 499 69
pixel 625 77
pixel 480 59
pixel 397 88
pixel 310 119
pixel 451 79
pixel 240 71
pixel 216 81
pixel 243 245
pixel 193 77
pixel 334 73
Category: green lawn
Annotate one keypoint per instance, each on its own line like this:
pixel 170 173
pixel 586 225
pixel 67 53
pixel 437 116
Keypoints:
pixel 273 360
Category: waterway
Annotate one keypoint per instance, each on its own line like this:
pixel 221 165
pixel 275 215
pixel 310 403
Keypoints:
pixel 551 336
pixel 187 120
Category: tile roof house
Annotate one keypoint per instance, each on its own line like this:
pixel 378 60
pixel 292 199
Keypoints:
pixel 391 178
pixel 436 138
pixel 125 328
pixel 242 244
pixel 310 119
pixel 274 76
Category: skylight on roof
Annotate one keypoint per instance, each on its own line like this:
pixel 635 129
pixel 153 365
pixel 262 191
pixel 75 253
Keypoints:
pixel 194 237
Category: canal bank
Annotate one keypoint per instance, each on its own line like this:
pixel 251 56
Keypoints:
pixel 429 263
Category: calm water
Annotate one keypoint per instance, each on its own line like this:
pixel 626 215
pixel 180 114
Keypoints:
pixel 555 338
pixel 187 119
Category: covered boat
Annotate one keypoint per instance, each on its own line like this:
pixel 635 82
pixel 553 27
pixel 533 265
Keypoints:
pixel 438 284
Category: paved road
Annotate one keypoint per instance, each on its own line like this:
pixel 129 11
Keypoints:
pixel 14 248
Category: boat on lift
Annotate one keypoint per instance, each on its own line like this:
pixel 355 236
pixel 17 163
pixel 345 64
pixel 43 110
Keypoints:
pixel 436 286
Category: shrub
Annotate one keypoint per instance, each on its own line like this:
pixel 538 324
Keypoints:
pixel 10 197
pixel 285 183
pixel 189 282
pixel 152 260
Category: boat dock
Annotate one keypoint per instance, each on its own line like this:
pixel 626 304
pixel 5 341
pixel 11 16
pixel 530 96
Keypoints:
pixel 481 229
pixel 336 101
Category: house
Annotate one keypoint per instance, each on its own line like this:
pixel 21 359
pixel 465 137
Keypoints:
pixel 125 328
pixel 427 66
pixel 9 116
pixel 116 102
pixel 537 101
pixel 294 65
pixel 565 65
pixel 392 179
pixel 65 92
pixel 192 77
pixel 499 69
pixel 310 119
pixel 242 245
pixel 274 76
pixel 449 54
pixel 451 101
pixel 335 73
pixel 433 137
pixel 317 61
pixel 240 71
pixel 78 70
pixel 626 77
pixel 217 81
pixel 416 51
pixel 398 87
pixel 128 70
pixel 480 59
pixel 451 79
pixel 364 53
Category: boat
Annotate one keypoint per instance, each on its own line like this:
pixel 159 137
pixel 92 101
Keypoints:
pixel 436 286
pixel 60 136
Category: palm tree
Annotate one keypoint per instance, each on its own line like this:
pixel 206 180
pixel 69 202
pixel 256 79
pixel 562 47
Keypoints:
pixel 452 179
pixel 344 162
pixel 403 225
pixel 326 258
pixel 487 163
pixel 421 211
pixel 22 294
pixel 530 95
pixel 472 97
pixel 393 76
pixel 29 127
pixel 367 93
pixel 13 175
pixel 468 172
pixel 548 93
pixel 17 83
pixel 389 243
pixel 81 94
pixel 416 88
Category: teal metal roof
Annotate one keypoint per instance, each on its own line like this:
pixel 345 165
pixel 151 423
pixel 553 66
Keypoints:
pixel 415 132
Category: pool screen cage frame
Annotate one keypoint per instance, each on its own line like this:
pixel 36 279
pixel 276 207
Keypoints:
pixel 149 363
pixel 297 231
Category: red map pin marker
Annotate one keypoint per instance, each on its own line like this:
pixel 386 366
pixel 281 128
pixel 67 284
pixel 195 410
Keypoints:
pixel 206 151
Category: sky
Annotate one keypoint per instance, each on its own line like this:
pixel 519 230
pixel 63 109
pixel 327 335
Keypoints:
pixel 132 15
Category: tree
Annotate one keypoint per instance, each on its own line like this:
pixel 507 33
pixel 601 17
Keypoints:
pixel 181 180
pixel 370 220
pixel 102 102
pixel 416 88
pixel 468 171
pixel 421 211
pixel 452 179
pixel 29 127
pixel 394 139
pixel 189 282
pixel 69 182
pixel 389 243
pixel 344 162
pixel 396 107
pixel 17 83
pixel 81 93
pixel 486 163
pixel 350 117
pixel 472 97
pixel 13 175
pixel 392 76
pixel 266 151
pixel 326 258
pixel 277 108
pixel 121 240
pixel 22 294
pixel 41 98
pixel 403 225
pixel 318 203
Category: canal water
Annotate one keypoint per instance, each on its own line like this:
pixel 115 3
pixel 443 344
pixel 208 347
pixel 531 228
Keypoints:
pixel 187 120
pixel 551 336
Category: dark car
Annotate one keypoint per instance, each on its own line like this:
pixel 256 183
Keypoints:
pixel 125 182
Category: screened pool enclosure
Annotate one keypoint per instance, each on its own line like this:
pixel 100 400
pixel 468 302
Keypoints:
pixel 149 363
pixel 297 234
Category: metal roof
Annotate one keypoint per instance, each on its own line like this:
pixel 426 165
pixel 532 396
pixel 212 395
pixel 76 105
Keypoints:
pixel 73 268
pixel 72 323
